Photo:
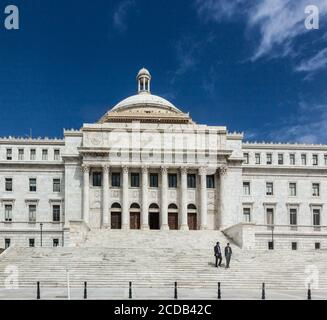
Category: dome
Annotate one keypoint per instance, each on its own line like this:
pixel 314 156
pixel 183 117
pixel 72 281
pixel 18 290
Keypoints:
pixel 144 72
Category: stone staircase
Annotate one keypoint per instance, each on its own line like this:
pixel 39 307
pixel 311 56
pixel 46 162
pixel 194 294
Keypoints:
pixel 155 259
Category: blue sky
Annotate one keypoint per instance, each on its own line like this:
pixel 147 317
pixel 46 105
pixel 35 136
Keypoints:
pixel 250 65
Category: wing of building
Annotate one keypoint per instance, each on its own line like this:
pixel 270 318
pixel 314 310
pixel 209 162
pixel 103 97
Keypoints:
pixel 147 165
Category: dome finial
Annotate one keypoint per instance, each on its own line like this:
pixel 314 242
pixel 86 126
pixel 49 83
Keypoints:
pixel 144 81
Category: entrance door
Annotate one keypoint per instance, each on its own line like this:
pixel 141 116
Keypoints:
pixel 154 221
pixel 173 221
pixel 115 220
pixel 135 221
pixel 192 221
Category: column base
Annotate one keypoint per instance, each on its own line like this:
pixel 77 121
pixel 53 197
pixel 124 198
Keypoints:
pixel 164 227
pixel 203 227
pixel 145 227
pixel 125 227
pixel 106 226
pixel 184 227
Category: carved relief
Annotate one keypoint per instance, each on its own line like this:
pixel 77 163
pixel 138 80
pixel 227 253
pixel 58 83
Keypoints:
pixel 223 170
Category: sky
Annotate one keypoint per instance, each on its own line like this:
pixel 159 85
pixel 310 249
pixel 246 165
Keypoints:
pixel 250 65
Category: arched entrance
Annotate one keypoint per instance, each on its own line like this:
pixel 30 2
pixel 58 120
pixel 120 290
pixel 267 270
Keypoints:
pixel 154 219
pixel 192 217
pixel 135 216
pixel 115 216
pixel 173 217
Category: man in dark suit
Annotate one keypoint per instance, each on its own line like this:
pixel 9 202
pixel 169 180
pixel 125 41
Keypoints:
pixel 218 255
pixel 228 255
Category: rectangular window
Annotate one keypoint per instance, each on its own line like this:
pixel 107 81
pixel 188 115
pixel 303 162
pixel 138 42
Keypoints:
pixel 21 154
pixel 154 180
pixel 56 185
pixel 55 243
pixel 280 158
pixel 304 159
pixel 246 188
pixel 293 217
pixel 56 213
pixel 292 159
pixel 56 154
pixel 191 181
pixel 257 158
pixel 270 245
pixel 211 182
pixel 246 157
pixel 7 243
pixel 269 189
pixel 269 158
pixel 8 213
pixel 9 154
pixel 316 217
pixel 8 184
pixel 294 245
pixel 315 190
pixel 97 179
pixel 172 181
pixel 115 180
pixel 270 216
pixel 33 154
pixel 32 213
pixel 31 243
pixel 135 180
pixel 44 154
pixel 32 185
pixel 247 214
pixel 315 159
pixel 292 189
pixel 317 245
pixel 325 159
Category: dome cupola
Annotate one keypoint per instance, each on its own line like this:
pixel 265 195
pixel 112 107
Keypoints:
pixel 144 81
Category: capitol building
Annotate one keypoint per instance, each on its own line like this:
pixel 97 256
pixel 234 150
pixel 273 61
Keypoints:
pixel 148 165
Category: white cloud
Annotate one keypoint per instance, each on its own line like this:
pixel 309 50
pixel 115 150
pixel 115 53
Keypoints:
pixel 121 13
pixel 315 63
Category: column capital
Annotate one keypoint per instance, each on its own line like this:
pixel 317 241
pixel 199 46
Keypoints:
pixel 145 169
pixel 164 170
pixel 85 168
pixel 184 170
pixel 202 171
pixel 106 168
pixel 125 169
pixel 223 170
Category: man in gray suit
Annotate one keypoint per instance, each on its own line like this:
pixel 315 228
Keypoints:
pixel 218 255
pixel 228 255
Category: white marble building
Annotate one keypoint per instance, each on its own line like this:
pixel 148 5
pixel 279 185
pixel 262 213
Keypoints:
pixel 147 165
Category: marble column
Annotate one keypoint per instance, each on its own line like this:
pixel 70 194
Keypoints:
pixel 183 197
pixel 86 193
pixel 203 197
pixel 105 197
pixel 164 199
pixel 145 204
pixel 222 197
pixel 125 209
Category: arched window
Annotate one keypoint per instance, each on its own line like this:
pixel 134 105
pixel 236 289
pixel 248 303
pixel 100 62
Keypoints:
pixel 154 206
pixel 135 206
pixel 172 206
pixel 116 205
pixel 191 207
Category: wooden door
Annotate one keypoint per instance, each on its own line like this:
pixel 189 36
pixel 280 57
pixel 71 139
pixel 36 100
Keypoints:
pixel 154 221
pixel 115 220
pixel 135 220
pixel 192 221
pixel 173 221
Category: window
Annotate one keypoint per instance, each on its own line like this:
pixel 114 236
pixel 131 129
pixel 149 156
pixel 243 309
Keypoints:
pixel 246 188
pixel 292 159
pixel 304 159
pixel 294 245
pixel 32 185
pixel 55 243
pixel 246 157
pixel 191 181
pixel 315 159
pixel 135 180
pixel 56 185
pixel 32 213
pixel 8 213
pixel 56 154
pixel 154 180
pixel 317 245
pixel 270 245
pixel 44 154
pixel 32 154
pixel 8 184
pixel 280 158
pixel 269 189
pixel 325 159
pixel 292 188
pixel 211 182
pixel 269 158
pixel 97 179
pixel 7 243
pixel 293 217
pixel 316 217
pixel 21 154
pixel 9 154
pixel 172 181
pixel 315 190
pixel 270 216
pixel 115 180
pixel 247 214
pixel 257 158
pixel 56 213
pixel 31 243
